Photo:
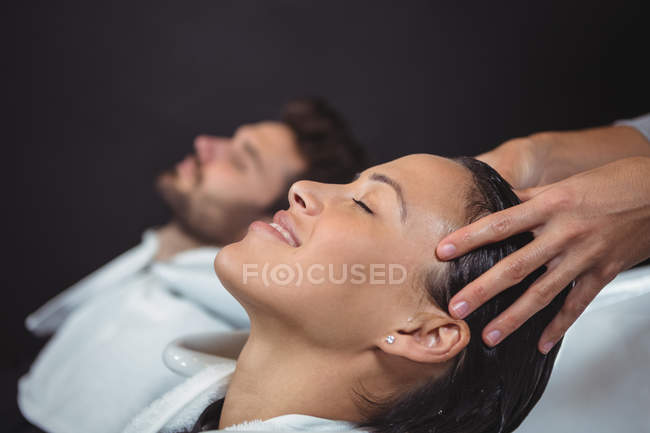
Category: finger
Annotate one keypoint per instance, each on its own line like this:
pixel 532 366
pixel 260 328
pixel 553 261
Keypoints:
pixel 491 228
pixel 508 272
pixel 528 193
pixel 538 295
pixel 585 290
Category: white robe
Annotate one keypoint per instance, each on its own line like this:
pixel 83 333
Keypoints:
pixel 103 365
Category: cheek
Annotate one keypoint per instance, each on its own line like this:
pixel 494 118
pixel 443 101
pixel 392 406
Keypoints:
pixel 325 306
pixel 221 184
pixel 343 316
pixel 246 188
pixel 348 281
pixel 364 244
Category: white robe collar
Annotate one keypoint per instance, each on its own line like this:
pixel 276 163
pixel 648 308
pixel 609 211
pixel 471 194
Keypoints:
pixel 189 273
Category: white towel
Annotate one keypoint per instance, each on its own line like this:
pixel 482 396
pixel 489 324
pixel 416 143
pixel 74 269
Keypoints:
pixel 601 379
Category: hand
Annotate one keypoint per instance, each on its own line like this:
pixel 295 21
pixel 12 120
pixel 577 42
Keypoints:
pixel 586 228
pixel 521 161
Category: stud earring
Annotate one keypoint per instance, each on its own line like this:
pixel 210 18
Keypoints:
pixel 390 339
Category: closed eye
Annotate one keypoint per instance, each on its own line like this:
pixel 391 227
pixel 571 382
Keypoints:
pixel 363 206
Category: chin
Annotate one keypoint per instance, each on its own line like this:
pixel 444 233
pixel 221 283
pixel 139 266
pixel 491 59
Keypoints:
pixel 227 266
pixel 166 178
pixel 167 187
pixel 231 259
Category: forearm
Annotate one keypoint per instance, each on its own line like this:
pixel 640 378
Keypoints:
pixel 563 154
pixel 548 157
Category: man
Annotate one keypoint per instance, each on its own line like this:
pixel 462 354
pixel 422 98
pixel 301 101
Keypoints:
pixel 103 365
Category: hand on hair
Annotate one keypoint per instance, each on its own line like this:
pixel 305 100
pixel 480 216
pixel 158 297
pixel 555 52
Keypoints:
pixel 587 228
pixel 520 161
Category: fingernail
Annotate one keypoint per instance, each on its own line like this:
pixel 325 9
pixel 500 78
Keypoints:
pixel 547 347
pixel 493 337
pixel 447 250
pixel 460 309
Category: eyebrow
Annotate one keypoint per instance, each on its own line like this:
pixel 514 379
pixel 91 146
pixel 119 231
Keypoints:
pixel 254 154
pixel 398 190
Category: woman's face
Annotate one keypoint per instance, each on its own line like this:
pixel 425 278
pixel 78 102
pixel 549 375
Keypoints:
pixel 344 264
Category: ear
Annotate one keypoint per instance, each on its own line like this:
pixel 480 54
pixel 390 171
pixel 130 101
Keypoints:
pixel 430 338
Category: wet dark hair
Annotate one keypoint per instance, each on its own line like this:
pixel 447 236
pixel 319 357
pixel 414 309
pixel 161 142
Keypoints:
pixel 487 389
pixel 326 142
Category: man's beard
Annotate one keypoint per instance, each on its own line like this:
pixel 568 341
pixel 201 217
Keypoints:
pixel 205 218
pixel 180 205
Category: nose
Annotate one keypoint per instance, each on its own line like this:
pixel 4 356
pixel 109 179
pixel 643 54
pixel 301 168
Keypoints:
pixel 209 147
pixel 306 197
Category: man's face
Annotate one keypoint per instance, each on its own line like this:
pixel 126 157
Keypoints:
pixel 228 182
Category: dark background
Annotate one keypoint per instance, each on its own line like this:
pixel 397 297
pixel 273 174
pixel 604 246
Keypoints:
pixel 101 96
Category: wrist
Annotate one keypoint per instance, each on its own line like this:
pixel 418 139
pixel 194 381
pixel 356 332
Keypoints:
pixel 541 146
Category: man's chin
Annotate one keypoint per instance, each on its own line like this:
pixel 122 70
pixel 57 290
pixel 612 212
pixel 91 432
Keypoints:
pixel 169 187
pixel 168 175
pixel 170 180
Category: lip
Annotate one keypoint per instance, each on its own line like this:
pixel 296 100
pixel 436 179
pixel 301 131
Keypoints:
pixel 284 219
pixel 261 226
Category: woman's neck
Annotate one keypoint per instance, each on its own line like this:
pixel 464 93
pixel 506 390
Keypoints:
pixel 273 379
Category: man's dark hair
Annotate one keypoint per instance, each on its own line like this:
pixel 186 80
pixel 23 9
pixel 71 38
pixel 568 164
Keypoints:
pixel 324 139
pixel 487 389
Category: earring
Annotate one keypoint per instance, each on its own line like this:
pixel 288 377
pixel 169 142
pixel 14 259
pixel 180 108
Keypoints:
pixel 390 339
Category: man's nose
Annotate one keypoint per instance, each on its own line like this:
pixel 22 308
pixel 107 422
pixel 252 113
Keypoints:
pixel 210 147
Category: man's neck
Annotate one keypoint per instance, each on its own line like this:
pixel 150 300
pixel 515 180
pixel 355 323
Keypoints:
pixel 172 239
pixel 271 380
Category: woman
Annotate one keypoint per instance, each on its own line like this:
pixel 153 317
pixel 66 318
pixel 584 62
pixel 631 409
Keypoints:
pixel 336 336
